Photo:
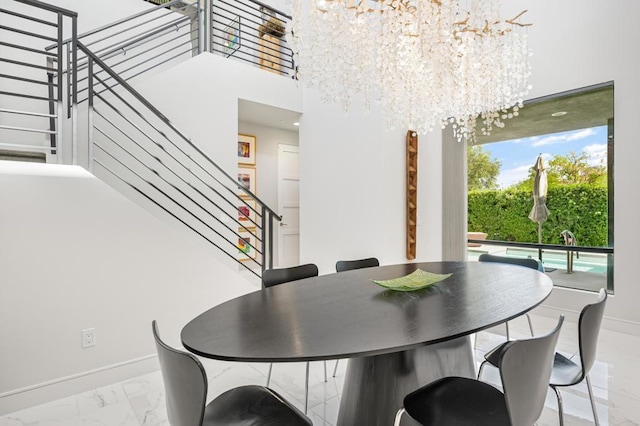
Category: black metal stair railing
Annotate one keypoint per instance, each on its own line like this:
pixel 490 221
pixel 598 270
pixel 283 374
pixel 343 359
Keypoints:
pixel 130 144
pixel 132 46
pixel 135 145
pixel 252 32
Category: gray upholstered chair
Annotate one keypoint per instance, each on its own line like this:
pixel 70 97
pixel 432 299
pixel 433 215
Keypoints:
pixel 526 262
pixel 185 384
pixel 272 277
pixel 348 265
pixel 467 402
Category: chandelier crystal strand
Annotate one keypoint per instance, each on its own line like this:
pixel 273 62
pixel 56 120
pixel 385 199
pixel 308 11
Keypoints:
pixel 427 63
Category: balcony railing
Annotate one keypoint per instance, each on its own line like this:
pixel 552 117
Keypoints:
pixel 31 98
pixel 250 31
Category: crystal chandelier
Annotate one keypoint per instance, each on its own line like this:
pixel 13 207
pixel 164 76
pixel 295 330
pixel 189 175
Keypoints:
pixel 426 62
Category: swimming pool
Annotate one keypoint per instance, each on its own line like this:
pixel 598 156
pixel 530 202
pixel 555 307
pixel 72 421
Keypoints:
pixel 588 262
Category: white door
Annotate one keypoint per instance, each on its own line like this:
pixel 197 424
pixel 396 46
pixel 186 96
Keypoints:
pixel 288 206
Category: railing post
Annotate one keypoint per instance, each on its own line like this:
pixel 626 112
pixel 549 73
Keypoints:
pixel 271 222
pixel 199 23
pixel 60 107
pixel 206 24
pixel 263 226
pixel 74 88
pixel 90 114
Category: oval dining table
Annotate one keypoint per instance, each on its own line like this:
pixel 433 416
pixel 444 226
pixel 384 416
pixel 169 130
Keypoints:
pixel 396 341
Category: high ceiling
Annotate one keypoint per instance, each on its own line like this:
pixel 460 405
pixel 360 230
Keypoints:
pixel 584 108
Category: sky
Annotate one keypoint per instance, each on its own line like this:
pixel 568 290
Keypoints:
pixel 519 155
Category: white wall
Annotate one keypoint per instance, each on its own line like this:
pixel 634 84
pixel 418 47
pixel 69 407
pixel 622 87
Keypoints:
pixel 352 188
pixel 201 98
pixel 75 254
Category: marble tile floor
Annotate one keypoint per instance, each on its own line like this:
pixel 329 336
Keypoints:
pixel 140 401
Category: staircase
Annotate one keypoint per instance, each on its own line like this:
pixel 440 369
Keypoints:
pixel 76 104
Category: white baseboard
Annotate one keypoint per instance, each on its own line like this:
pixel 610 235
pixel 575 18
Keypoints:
pixel 62 387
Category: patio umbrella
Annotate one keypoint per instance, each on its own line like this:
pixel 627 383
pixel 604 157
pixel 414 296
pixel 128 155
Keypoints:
pixel 539 212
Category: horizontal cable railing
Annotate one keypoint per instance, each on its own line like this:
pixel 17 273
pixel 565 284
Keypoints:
pixel 31 98
pixel 135 147
pixel 540 246
pixel 158 36
pixel 252 32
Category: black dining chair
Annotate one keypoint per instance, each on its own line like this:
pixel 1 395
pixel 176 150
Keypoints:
pixel 272 277
pixel 348 265
pixel 525 368
pixel 185 383
pixel 527 262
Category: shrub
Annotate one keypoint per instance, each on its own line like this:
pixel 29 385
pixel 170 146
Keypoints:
pixel 504 215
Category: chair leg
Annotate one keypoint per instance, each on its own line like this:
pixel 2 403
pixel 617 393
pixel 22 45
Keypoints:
pixel 593 401
pixel 269 374
pixel 530 324
pixel 306 390
pixel 325 371
pixel 480 369
pixel 506 324
pixel 399 417
pixel 560 414
pixel 335 369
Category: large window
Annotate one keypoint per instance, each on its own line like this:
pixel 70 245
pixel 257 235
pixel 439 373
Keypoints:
pixel 573 133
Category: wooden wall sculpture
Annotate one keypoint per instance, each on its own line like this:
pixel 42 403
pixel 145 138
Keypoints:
pixel 412 192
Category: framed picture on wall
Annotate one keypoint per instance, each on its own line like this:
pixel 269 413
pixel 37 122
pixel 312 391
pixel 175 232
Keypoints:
pixel 246 245
pixel 247 178
pixel 247 212
pixel 247 150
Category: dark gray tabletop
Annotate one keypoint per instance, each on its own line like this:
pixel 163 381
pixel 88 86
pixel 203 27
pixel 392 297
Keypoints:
pixel 345 315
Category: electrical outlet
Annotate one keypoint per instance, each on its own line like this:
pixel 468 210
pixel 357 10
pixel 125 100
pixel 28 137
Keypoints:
pixel 88 337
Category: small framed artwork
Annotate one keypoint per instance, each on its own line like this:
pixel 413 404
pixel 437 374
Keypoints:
pixel 247 212
pixel 246 245
pixel 247 150
pixel 231 37
pixel 247 178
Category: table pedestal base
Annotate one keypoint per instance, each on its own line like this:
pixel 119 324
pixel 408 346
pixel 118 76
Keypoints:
pixel 375 386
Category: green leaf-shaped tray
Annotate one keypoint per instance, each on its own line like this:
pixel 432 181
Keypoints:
pixel 416 280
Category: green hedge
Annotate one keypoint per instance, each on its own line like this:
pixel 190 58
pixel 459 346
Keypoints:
pixel 504 215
